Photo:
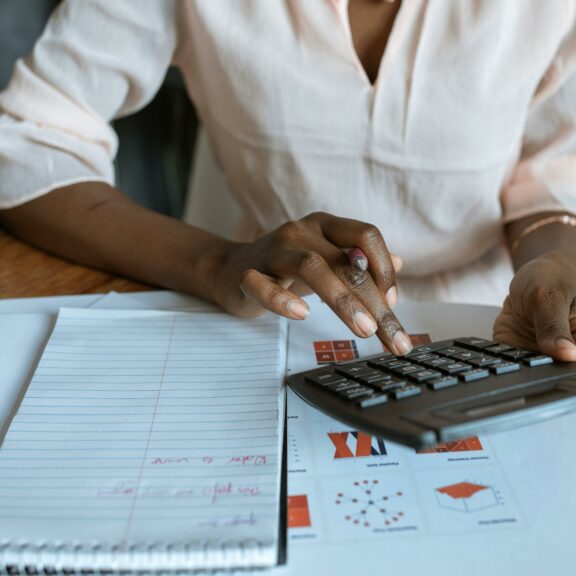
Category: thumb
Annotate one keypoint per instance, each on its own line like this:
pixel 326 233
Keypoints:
pixel 552 326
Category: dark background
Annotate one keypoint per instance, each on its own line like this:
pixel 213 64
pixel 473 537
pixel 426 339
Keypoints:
pixel 156 144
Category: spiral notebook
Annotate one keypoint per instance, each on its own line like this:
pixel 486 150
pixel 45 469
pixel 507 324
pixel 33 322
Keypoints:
pixel 147 441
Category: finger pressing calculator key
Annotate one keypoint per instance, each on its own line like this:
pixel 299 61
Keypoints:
pixel 441 392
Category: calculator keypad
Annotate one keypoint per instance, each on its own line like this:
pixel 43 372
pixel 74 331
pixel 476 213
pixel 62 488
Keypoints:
pixel 385 377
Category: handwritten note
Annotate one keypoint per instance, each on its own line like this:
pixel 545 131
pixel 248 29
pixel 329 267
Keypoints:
pixel 149 427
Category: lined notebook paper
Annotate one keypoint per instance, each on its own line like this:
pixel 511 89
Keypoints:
pixel 147 440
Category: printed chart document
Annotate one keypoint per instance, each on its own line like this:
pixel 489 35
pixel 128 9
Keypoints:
pixel 500 504
pixel 147 440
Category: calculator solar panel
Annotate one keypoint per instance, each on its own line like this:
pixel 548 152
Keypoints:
pixel 442 391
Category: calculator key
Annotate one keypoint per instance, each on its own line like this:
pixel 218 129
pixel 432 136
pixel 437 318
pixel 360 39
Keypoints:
pixel 351 370
pixel 484 360
pixel 538 360
pixel 421 358
pixel 339 386
pixel 374 400
pixel 395 364
pixel 472 343
pixel 517 354
pixel 466 356
pixel 424 375
pixel 406 392
pixel 450 351
pixel 472 375
pixel 325 378
pixel 387 386
pixel 498 349
pixel 379 360
pixel 419 350
pixel 444 382
pixel 367 375
pixel 385 363
pixel 504 368
pixel 438 361
pixel 356 392
pixel 405 370
pixel 455 367
pixel 384 378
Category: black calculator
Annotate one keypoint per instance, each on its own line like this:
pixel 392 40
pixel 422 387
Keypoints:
pixel 442 391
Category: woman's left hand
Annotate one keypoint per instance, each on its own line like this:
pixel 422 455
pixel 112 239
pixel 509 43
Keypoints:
pixel 540 310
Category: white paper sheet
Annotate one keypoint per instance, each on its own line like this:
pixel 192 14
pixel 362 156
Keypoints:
pixel 534 466
pixel 150 300
pixel 140 426
pixel 22 337
pixel 25 325
pixel 154 300
pixel 46 305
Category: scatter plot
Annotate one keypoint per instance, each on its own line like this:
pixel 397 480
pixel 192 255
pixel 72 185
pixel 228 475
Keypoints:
pixel 367 503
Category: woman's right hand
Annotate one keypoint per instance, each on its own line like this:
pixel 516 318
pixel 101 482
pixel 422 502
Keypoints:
pixel 107 230
pixel 310 255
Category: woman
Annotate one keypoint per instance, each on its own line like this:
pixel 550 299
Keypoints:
pixel 442 128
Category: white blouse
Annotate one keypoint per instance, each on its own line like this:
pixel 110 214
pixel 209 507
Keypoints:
pixel 471 122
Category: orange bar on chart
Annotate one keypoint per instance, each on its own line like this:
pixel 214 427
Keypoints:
pixel 298 512
pixel 471 444
pixel 461 490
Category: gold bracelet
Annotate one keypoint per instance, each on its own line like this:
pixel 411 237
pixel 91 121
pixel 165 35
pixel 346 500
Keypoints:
pixel 565 219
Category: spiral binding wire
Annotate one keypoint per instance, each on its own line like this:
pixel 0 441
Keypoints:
pixel 26 559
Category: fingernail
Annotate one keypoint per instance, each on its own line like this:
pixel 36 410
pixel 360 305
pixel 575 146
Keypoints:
pixel 401 343
pixel 358 259
pixel 396 262
pixel 365 324
pixel 361 264
pixel 392 296
pixel 298 309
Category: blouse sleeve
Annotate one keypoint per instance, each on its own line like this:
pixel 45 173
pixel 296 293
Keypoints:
pixel 545 176
pixel 96 60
